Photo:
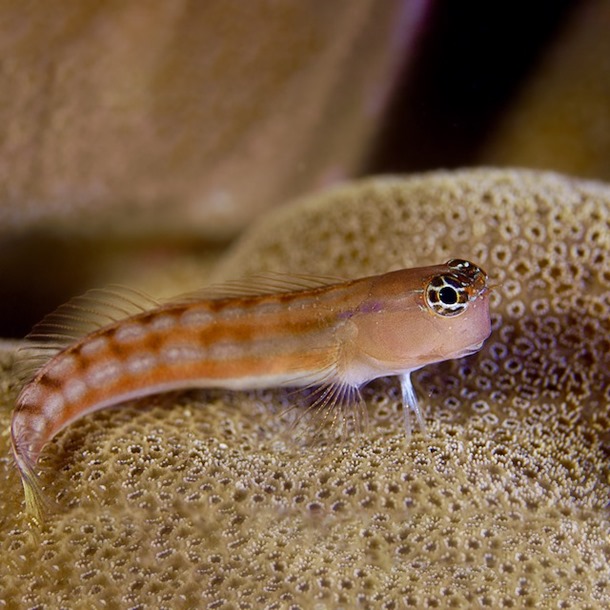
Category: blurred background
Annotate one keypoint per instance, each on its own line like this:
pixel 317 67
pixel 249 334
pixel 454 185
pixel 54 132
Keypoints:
pixel 138 141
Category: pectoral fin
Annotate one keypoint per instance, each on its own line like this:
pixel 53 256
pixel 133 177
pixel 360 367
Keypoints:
pixel 410 404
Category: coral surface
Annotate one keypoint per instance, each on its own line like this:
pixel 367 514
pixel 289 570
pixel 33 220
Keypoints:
pixel 561 119
pixel 208 500
pixel 165 117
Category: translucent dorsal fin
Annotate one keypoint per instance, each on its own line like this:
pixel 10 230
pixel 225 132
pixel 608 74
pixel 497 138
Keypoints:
pixel 259 284
pixel 73 320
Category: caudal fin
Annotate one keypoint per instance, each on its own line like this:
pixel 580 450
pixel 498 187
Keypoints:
pixel 35 501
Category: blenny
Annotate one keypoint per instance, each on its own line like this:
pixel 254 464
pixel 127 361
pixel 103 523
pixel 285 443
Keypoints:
pixel 110 346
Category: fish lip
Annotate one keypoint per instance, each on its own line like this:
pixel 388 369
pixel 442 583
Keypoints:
pixel 473 349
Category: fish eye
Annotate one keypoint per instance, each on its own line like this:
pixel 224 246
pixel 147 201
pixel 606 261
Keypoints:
pixel 459 264
pixel 446 296
pixel 468 270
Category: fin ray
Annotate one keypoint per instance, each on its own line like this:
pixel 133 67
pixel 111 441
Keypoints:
pixel 36 504
pixel 331 401
pixel 410 405
pixel 257 285
pixel 76 318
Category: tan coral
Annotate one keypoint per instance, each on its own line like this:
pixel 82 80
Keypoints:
pixel 163 118
pixel 206 501
pixel 561 119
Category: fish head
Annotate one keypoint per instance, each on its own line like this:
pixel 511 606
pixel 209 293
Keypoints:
pixel 429 315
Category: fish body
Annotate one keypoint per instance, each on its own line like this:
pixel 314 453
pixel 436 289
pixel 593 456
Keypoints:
pixel 335 337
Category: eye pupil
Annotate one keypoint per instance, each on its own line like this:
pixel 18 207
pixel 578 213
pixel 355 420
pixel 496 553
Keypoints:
pixel 448 295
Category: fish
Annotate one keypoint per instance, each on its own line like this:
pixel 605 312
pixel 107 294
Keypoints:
pixel 332 337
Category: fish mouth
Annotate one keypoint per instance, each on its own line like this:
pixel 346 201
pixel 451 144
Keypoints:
pixel 473 349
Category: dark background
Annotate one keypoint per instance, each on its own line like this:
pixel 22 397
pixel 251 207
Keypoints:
pixel 471 61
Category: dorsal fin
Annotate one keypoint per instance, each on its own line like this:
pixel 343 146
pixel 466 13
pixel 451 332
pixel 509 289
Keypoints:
pixel 262 283
pixel 73 320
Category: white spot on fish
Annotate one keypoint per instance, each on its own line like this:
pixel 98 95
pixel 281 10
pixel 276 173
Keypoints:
pixel 162 322
pixel 230 313
pixel 128 333
pixel 175 354
pixel 53 405
pixel 36 424
pixel 98 376
pixel 196 317
pixel 94 346
pixel 74 390
pixel 141 363
pixel 267 308
pixel 63 367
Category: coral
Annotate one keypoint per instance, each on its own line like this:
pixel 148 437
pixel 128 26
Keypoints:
pixel 208 500
pixel 561 120
pixel 163 118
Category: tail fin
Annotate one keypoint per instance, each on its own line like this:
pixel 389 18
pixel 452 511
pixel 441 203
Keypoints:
pixel 35 502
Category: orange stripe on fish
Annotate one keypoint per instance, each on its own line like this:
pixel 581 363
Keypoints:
pixel 110 346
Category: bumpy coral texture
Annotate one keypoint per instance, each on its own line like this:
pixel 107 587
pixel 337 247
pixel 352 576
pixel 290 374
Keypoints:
pixel 561 117
pixel 207 500
pixel 165 117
